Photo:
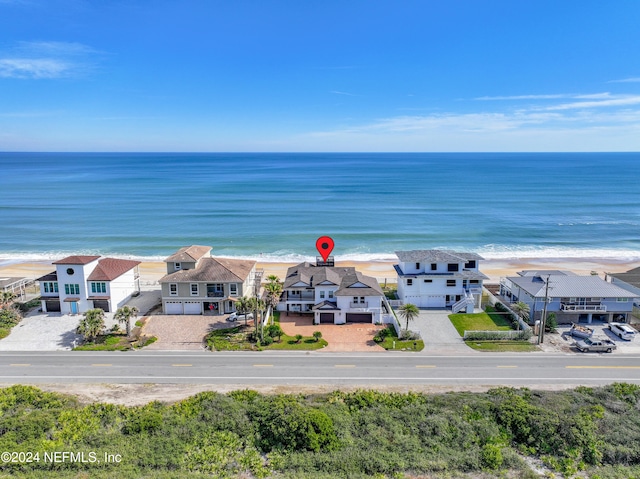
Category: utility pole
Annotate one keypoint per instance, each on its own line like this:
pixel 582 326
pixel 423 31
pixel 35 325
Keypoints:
pixel 543 320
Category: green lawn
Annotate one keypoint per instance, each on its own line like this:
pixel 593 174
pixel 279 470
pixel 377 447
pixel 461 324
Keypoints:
pixel 236 339
pixel 486 321
pixel 400 345
pixel 503 346
pixel 116 342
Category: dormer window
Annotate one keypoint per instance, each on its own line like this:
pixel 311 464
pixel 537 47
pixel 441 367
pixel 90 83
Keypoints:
pixel 453 267
pixel 471 264
pixel 178 266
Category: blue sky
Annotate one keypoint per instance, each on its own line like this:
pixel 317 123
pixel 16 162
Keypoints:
pixel 128 75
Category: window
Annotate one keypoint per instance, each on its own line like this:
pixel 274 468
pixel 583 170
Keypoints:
pixel 622 300
pixel 71 289
pixel 355 299
pixel 51 287
pixel 470 264
pixel 474 281
pixel 177 266
pixel 321 294
pixel 428 281
pixel 451 282
pixel 233 289
pixel 330 294
pixel 98 287
pixel 434 266
pixel 361 299
pixel 409 282
pixel 417 265
pixel 194 289
pixel 453 267
pixel 173 289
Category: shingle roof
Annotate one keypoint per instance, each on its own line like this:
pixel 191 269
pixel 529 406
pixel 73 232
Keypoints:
pixel 631 277
pixel 53 276
pixel 220 270
pixel 77 259
pixel 109 269
pixel 436 256
pixel 569 286
pixel 188 254
pixel 343 277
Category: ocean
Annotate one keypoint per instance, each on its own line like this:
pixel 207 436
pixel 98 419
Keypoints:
pixel 273 206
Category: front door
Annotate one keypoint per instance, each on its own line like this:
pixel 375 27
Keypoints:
pixel 74 307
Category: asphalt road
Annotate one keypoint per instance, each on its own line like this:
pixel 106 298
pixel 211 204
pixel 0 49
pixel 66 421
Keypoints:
pixel 245 369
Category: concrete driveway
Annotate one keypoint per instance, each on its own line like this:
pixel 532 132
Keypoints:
pixel 438 334
pixel 46 332
pixel 182 332
pixel 341 338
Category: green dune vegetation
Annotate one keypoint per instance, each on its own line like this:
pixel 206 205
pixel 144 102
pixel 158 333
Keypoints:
pixel 589 432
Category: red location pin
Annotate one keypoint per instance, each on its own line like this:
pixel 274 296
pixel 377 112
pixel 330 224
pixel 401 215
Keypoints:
pixel 325 246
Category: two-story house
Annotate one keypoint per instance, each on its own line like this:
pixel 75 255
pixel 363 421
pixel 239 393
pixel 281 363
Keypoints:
pixel 440 279
pixel 197 283
pixel 80 283
pixel 333 294
pixel 571 297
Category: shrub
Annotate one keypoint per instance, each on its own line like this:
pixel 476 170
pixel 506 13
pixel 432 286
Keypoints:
pixel 274 331
pixel 267 340
pixel 9 317
pixel 298 338
pixel 317 335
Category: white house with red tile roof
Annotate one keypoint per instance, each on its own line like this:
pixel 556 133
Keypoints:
pixel 80 283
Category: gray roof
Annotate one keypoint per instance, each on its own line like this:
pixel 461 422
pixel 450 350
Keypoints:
pixel 436 256
pixel 218 270
pixel 345 278
pixel 631 277
pixel 569 286
pixel 188 254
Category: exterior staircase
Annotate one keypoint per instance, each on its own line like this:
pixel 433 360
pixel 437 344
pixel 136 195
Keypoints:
pixel 466 303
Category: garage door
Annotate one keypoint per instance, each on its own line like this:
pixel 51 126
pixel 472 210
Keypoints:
pixel 52 306
pixel 359 318
pixel 172 307
pixel 103 305
pixel 435 302
pixel 192 308
pixel 326 318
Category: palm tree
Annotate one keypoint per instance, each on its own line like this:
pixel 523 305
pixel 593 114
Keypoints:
pixel 274 290
pixel 522 310
pixel 124 315
pixel 409 312
pixel 7 299
pixel 243 306
pixel 92 323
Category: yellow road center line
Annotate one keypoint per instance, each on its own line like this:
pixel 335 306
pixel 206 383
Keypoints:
pixel 182 365
pixel 602 367
pixel 345 366
pixel 506 366
pixel 263 365
pixel 424 366
pixel 17 365
pixel 101 365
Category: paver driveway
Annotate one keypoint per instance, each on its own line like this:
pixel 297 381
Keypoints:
pixel 181 332
pixel 341 338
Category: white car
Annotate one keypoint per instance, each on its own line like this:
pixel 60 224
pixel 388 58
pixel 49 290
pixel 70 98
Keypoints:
pixel 623 331
pixel 239 316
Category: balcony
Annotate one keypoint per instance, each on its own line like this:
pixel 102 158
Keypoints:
pixel 582 307
pixel 364 305
pixel 215 294
pixel 306 296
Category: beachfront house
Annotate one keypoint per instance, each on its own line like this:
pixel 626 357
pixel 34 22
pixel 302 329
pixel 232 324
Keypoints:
pixel 333 295
pixel 197 283
pixel 80 283
pixel 440 279
pixel 629 280
pixel 573 298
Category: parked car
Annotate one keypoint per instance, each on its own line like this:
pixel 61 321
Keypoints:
pixel 623 331
pixel 595 345
pixel 239 316
pixel 580 331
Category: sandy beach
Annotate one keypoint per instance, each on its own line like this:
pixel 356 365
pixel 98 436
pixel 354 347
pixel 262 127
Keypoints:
pixel 150 272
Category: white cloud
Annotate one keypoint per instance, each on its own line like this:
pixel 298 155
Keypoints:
pixel 557 96
pixel 618 101
pixel 46 60
pixel 33 68
pixel 626 80
pixel 341 93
